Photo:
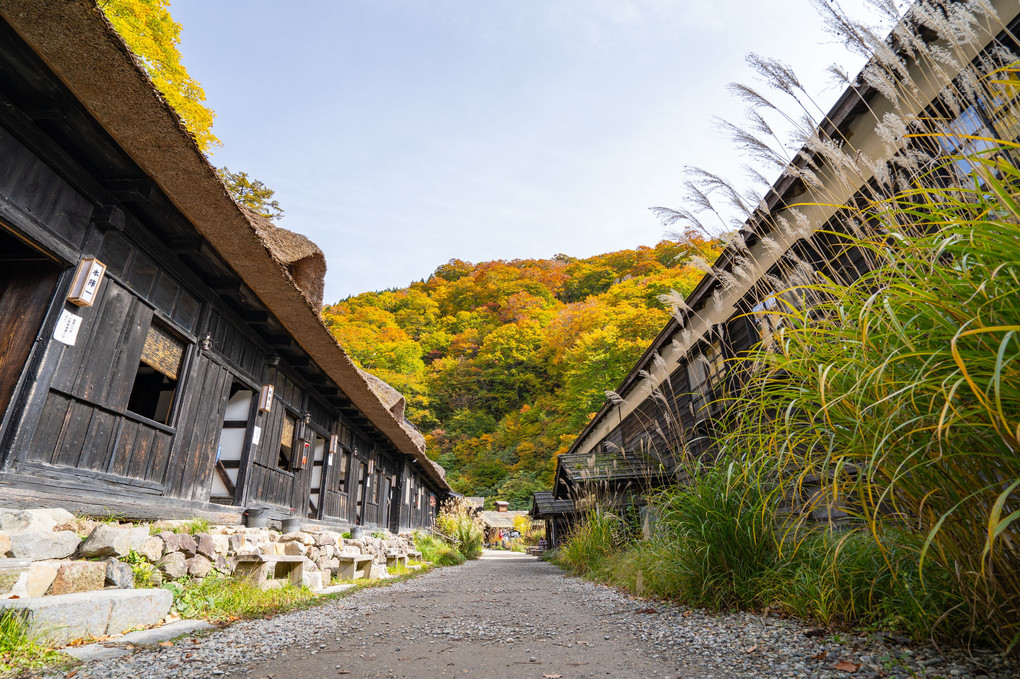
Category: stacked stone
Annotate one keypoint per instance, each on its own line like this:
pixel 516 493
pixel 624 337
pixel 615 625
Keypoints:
pixel 40 556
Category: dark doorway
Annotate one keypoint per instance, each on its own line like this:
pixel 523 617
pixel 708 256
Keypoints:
pixel 28 278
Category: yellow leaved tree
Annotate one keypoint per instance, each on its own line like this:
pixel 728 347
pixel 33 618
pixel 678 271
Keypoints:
pixel 153 36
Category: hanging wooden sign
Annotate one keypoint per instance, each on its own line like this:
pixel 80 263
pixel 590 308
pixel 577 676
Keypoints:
pixel 266 398
pixel 86 282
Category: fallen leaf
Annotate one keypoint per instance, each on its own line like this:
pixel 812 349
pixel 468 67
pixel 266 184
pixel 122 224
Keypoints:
pixel 821 655
pixel 814 632
pixel 687 614
pixel 646 611
pixel 166 643
pixel 847 666
pixel 552 676
pixel 752 649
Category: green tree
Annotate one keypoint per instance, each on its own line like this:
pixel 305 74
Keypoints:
pixel 251 193
pixel 153 36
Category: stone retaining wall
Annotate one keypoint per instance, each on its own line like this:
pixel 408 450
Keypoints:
pixel 52 552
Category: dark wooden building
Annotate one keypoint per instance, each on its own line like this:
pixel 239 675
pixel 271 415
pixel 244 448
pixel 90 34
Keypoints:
pixel 161 352
pixel 559 516
pixel 666 405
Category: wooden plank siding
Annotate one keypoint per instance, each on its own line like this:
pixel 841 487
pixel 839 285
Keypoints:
pixel 66 424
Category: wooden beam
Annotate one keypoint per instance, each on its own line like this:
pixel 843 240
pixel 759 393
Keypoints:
pixel 186 246
pixel 255 317
pixel 108 217
pixel 279 341
pixel 45 107
pixel 298 361
pixel 131 190
pixel 226 286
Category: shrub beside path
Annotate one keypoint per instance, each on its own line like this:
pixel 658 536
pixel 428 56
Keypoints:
pixel 508 615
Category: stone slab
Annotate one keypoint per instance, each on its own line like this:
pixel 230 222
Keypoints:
pixel 96 652
pixel 63 618
pixel 26 520
pixel 164 633
pixel 41 576
pixel 137 608
pixel 107 540
pixel 335 589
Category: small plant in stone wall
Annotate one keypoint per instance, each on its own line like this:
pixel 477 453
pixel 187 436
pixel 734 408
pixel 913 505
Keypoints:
pixel 146 575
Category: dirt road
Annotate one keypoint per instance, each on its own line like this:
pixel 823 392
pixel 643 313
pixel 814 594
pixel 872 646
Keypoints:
pixel 506 615
pixel 509 615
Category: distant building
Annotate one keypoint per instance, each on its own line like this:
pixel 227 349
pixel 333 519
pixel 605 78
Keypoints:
pixel 499 521
pixel 559 516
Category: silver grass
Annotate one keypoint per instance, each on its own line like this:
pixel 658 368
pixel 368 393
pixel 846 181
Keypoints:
pixel 751 96
pixel 881 81
pixel 675 301
pixel 727 280
pixel 777 74
pixel 771 246
pixel 701 264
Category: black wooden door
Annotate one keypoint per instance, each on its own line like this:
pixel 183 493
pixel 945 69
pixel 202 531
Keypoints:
pixel 206 391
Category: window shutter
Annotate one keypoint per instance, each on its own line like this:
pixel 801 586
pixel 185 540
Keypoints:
pixel 162 351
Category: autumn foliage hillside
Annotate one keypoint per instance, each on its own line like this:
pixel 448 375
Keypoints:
pixel 503 362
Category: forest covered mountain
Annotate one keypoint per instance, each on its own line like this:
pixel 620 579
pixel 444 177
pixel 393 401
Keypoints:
pixel 503 362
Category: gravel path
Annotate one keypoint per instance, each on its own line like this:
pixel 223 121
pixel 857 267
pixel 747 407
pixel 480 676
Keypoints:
pixel 509 615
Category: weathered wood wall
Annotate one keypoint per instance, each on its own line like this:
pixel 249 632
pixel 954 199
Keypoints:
pixel 70 424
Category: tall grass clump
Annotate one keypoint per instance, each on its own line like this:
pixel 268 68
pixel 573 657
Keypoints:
pixel 846 578
pixel 722 536
pixel 436 550
pixel 596 537
pixel 896 397
pixel 888 399
pixel 221 598
pixel 458 520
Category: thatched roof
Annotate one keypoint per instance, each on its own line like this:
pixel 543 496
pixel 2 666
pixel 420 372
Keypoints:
pixel 299 257
pixel 391 398
pixel 395 403
pixel 80 46
pixel 499 519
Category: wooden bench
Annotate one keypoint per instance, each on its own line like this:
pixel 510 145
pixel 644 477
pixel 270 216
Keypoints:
pixel 354 566
pixel 269 571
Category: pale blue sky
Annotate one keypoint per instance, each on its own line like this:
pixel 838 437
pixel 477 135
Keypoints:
pixel 399 134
